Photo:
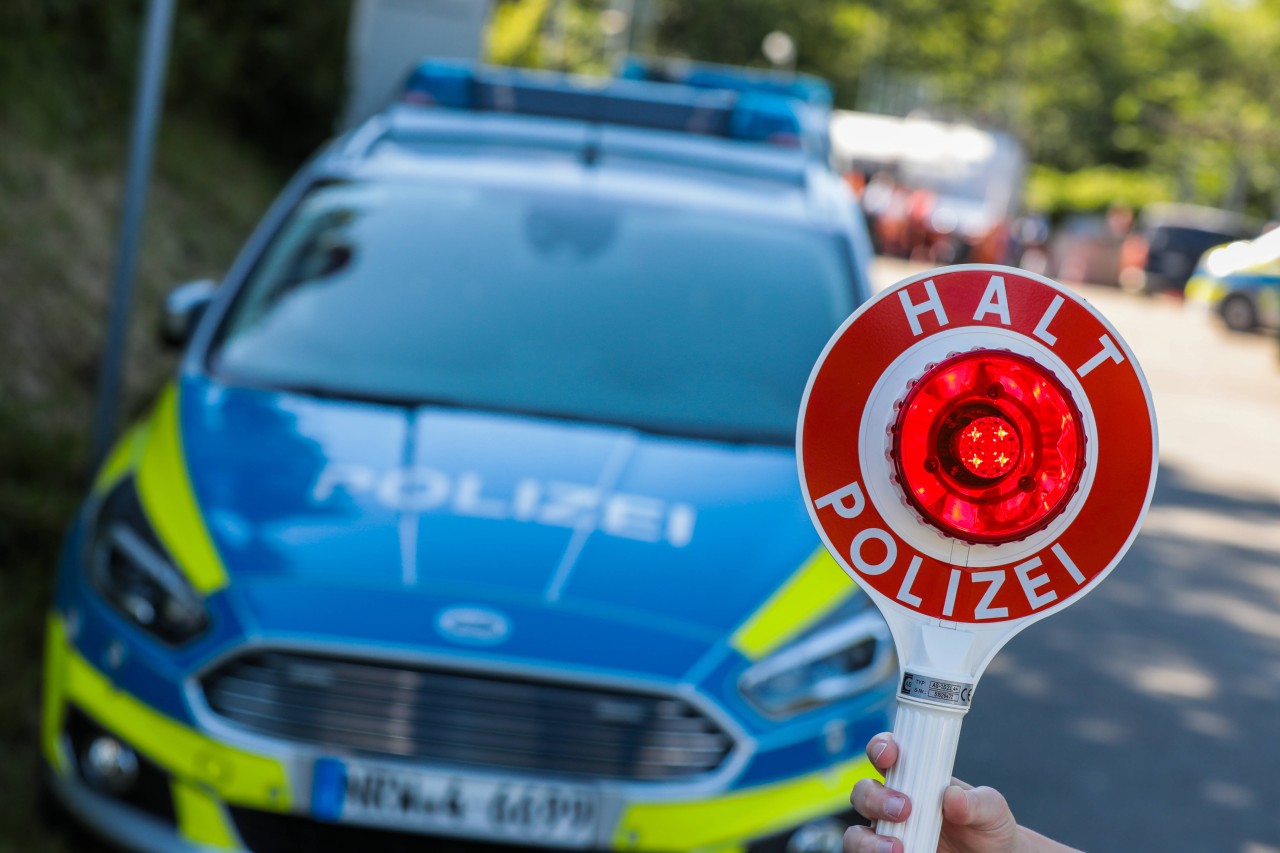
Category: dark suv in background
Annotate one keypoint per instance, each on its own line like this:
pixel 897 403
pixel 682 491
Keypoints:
pixel 1171 238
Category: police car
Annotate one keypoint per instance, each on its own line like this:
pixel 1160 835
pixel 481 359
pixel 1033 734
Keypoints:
pixel 471 519
pixel 1240 282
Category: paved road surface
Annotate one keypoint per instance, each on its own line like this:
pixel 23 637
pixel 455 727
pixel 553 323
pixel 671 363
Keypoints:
pixel 1147 716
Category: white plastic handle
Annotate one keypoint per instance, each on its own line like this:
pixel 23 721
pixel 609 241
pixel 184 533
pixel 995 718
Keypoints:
pixel 927 736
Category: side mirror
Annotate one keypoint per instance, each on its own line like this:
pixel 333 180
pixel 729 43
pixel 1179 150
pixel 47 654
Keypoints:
pixel 182 310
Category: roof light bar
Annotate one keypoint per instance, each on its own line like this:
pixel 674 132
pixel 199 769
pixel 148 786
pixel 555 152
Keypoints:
pixel 746 116
pixel 708 75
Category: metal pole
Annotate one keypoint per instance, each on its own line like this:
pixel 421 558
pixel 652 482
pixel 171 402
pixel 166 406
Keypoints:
pixel 146 115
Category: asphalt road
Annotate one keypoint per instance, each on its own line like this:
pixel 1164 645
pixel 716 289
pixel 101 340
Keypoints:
pixel 1146 717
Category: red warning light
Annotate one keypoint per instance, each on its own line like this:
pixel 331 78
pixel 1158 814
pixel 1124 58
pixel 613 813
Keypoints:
pixel 988 446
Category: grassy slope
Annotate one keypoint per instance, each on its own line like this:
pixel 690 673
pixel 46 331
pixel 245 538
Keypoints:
pixel 58 227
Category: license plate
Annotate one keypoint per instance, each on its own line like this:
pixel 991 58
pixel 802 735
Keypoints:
pixel 452 804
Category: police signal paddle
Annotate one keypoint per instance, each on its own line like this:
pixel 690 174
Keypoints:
pixel 977 449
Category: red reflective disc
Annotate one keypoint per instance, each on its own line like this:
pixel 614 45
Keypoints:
pixel 988 446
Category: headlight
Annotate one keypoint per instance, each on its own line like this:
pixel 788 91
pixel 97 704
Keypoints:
pixel 846 653
pixel 130 569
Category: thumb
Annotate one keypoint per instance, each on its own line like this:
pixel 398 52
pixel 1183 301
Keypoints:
pixel 983 809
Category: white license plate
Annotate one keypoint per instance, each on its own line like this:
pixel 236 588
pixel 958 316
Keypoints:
pixel 453 804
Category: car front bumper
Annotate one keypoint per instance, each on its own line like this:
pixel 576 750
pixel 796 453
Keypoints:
pixel 208 794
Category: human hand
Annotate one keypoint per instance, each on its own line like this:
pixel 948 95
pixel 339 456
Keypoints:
pixel 974 820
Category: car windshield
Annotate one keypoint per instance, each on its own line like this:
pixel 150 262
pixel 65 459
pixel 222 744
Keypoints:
pixel 664 319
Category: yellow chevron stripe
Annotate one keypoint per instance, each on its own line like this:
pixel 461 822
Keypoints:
pixel 164 488
pixel 124 457
pixel 202 819
pixel 724 822
pixel 190 757
pixel 52 707
pixel 817 588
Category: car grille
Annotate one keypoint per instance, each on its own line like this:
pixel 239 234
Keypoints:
pixel 466 718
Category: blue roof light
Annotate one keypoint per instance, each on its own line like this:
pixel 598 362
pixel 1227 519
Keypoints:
pixel 441 83
pixel 768 118
pixel 706 75
pixel 736 114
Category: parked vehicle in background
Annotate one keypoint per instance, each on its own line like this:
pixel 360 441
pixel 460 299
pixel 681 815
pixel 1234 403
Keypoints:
pixel 936 191
pixel 471 519
pixel 1169 240
pixel 1032 232
pixel 1240 282
pixel 1085 247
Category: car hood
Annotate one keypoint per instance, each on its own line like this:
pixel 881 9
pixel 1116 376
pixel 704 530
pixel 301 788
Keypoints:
pixel 1240 257
pixel 531 539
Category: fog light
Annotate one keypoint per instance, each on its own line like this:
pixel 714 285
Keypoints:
pixel 109 765
pixel 818 836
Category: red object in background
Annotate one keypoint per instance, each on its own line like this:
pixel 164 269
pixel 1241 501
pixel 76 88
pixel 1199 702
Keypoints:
pixel 988 447
pixel 992 247
pixel 857 182
pixel 1133 260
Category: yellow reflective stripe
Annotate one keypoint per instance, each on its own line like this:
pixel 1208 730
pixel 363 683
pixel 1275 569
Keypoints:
pixel 816 589
pixel 233 774
pixel 202 819
pixel 1268 299
pixel 1206 290
pixel 741 815
pixel 122 459
pixel 53 708
pixel 165 491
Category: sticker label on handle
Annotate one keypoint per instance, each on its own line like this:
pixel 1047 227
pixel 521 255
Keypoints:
pixel 955 694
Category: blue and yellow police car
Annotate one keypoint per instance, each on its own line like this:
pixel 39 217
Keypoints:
pixel 1240 282
pixel 471 519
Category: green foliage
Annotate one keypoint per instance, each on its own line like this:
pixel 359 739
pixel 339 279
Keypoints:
pixel 733 32
pixel 1093 190
pixel 515 33
pixel 1183 93
pixel 272 70
pixel 564 35
pixel 37 495
pixel 66 65
pixel 66 78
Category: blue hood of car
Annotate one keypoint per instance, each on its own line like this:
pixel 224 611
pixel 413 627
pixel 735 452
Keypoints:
pixel 451 530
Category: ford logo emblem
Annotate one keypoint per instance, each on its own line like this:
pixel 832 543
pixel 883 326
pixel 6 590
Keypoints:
pixel 477 626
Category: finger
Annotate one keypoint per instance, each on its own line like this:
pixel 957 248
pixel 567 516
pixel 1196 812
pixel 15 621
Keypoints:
pixel 860 839
pixel 961 784
pixel 874 801
pixel 883 751
pixel 980 808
